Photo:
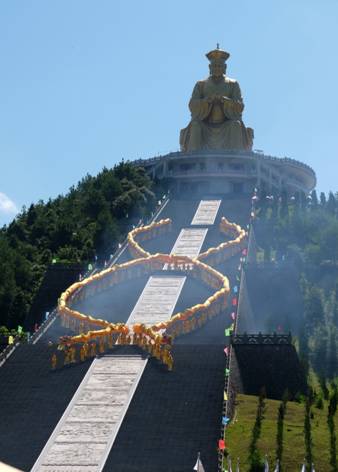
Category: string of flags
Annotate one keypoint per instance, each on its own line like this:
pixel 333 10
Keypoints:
pixel 227 467
pixel 228 331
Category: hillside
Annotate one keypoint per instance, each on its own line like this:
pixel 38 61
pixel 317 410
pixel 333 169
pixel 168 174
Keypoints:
pixel 239 434
pixel 298 257
pixel 80 227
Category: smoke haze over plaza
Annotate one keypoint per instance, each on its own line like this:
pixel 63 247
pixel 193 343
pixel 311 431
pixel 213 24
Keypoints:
pixel 85 85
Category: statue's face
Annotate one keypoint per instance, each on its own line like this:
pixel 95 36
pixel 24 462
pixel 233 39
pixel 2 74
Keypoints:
pixel 217 69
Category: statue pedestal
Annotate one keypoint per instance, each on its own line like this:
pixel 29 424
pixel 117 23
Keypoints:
pixel 230 172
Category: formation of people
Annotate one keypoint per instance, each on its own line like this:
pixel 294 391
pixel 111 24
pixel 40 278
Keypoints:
pixel 97 335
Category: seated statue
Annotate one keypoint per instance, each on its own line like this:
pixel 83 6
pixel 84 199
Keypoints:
pixel 216 109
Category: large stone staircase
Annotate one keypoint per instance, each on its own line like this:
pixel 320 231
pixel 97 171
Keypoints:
pixel 171 416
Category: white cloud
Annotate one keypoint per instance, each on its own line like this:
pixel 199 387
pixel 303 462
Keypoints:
pixel 7 206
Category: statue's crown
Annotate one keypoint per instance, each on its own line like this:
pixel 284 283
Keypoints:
pixel 217 55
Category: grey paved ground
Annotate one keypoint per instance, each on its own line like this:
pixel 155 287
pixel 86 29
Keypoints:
pixel 173 415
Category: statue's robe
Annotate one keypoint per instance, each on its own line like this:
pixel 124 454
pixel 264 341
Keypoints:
pixel 216 125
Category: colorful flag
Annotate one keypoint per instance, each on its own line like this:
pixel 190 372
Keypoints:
pixel 221 444
pixel 10 340
pixel 227 332
pixel 235 289
pixel 199 466
pixel 233 315
pixel 225 396
pixel 226 351
pixel 227 371
pixel 244 252
pixel 225 420
pixel 234 301
pixel 20 329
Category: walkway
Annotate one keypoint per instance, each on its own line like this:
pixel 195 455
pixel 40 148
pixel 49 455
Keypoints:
pixel 84 436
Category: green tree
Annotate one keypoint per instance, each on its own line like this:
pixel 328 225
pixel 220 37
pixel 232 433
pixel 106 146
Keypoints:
pixel 313 308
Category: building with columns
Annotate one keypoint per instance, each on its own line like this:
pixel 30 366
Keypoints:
pixel 230 172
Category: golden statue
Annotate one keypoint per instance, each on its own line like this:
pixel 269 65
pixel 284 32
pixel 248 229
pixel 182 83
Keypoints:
pixel 216 107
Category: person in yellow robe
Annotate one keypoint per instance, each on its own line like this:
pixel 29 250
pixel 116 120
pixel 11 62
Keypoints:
pixel 216 109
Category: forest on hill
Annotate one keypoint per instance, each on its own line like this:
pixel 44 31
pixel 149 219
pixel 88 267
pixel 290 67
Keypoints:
pixel 85 224
pixel 303 232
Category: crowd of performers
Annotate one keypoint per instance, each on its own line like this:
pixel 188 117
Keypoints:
pixel 97 335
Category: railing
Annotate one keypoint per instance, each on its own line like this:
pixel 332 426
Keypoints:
pixel 208 170
pixel 236 152
pixel 8 351
pixel 260 338
pixel 43 327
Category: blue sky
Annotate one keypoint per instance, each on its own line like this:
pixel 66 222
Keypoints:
pixel 86 83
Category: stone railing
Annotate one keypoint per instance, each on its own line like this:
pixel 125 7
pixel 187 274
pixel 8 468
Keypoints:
pixel 210 170
pixel 8 350
pixel 225 153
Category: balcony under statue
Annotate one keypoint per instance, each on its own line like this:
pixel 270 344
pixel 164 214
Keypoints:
pixel 216 109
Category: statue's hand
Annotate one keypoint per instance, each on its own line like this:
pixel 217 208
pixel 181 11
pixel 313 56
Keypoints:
pixel 211 99
pixel 237 107
pixel 226 100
